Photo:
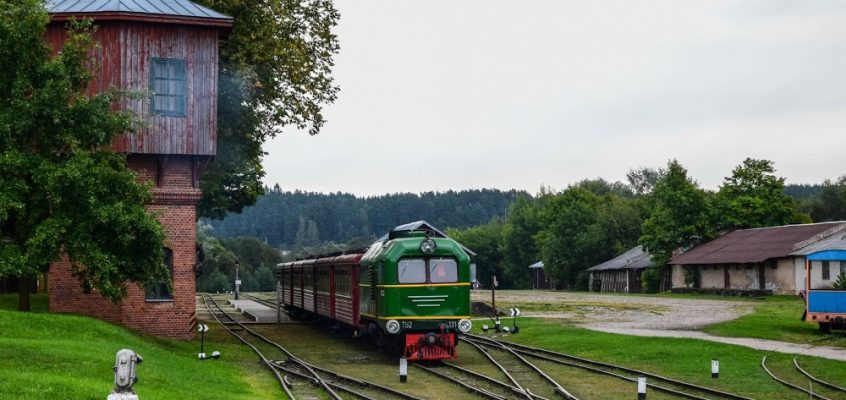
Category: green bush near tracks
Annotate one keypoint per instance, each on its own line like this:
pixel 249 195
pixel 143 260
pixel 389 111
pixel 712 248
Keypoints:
pixel 682 359
pixel 777 318
pixel 71 357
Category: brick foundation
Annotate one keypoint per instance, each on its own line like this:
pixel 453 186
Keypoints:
pixel 174 206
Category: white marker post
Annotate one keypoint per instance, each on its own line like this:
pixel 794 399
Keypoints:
pixel 515 312
pixel 202 328
pixel 403 370
pixel 641 388
pixel 715 368
pixel 485 328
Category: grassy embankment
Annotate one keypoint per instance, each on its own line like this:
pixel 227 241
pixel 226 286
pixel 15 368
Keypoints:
pixel 71 357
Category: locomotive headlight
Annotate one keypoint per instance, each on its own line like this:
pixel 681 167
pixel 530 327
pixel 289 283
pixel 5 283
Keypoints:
pixel 428 246
pixel 465 325
pixel 392 326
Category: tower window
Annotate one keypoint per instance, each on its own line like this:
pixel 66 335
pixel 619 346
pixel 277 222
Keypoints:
pixel 169 87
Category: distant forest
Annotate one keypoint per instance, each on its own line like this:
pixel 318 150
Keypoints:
pixel 570 230
pixel 296 219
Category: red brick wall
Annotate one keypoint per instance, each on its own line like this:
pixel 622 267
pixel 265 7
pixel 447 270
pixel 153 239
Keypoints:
pixel 174 206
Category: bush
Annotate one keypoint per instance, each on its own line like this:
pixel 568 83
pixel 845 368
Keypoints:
pixel 840 283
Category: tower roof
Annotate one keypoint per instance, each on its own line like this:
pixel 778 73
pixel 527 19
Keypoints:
pixel 166 11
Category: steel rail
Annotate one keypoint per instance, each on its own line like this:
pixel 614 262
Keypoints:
pixel 813 378
pixel 483 392
pixel 290 355
pixel 623 377
pixel 313 380
pixel 361 382
pixel 283 382
pixel 687 385
pixel 508 375
pixel 788 384
pixel 490 379
pixel 558 388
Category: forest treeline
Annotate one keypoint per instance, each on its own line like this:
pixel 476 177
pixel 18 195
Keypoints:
pixel 662 209
pixel 295 219
pixel 570 230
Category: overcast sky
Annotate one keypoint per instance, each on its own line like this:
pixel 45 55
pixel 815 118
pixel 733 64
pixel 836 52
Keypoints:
pixel 439 95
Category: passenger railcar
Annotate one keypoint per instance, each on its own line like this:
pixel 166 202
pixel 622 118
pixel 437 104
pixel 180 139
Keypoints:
pixel 824 306
pixel 410 293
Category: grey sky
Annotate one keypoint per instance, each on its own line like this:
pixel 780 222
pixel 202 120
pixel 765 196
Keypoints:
pixel 439 95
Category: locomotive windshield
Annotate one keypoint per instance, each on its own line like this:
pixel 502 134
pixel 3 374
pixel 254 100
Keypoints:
pixel 417 270
pixel 443 270
pixel 411 270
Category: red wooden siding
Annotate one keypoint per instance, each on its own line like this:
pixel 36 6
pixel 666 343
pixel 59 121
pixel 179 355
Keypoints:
pixel 124 59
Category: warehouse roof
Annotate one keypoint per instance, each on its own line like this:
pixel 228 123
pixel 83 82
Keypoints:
pixel 171 8
pixel 635 258
pixel 757 244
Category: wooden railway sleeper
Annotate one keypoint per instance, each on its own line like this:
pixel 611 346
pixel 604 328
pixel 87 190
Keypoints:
pixel 480 391
pixel 521 390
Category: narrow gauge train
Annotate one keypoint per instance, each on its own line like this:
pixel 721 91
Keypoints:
pixel 409 293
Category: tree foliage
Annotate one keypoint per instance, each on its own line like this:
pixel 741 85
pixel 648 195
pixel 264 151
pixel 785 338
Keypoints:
pixel 829 204
pixel 581 228
pixel 681 214
pixel 486 241
pixel 62 189
pixel 275 74
pixel 257 264
pixel 754 197
pixel 288 219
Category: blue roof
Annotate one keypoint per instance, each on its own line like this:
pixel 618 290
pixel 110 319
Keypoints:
pixel 180 8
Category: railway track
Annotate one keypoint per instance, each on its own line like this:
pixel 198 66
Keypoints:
pixel 818 381
pixel 824 394
pixel 328 382
pixel 667 385
pixel 477 388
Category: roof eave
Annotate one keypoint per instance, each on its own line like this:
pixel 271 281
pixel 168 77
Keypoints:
pixel 225 23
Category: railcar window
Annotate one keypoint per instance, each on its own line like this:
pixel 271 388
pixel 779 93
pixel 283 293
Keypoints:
pixel 443 270
pixel 411 270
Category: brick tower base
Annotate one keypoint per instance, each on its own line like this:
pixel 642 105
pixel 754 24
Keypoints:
pixel 174 204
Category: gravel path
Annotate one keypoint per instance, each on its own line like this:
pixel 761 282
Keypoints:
pixel 648 316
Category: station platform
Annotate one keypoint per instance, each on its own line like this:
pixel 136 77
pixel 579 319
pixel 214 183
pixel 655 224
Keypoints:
pixel 259 313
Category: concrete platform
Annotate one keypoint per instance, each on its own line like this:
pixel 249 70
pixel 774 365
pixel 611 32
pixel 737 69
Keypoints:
pixel 258 312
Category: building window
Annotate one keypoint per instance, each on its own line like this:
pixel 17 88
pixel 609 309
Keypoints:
pixel 169 87
pixel 159 291
pixel 826 271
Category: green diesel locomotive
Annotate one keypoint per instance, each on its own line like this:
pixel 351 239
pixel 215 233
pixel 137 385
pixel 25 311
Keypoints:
pixel 409 292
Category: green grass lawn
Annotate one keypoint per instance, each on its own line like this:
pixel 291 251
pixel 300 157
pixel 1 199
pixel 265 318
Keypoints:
pixel 71 357
pixel 684 359
pixel 777 318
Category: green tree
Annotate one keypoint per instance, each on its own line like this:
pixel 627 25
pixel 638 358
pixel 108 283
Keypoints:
pixel 681 214
pixel 274 74
pixel 518 243
pixel 581 229
pixel 753 197
pixel 62 190
pixel 829 204
pixel 486 241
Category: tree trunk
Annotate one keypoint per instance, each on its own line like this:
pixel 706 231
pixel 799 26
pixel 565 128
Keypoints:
pixel 23 293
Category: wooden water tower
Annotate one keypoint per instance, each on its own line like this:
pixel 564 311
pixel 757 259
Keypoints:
pixel 167 50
